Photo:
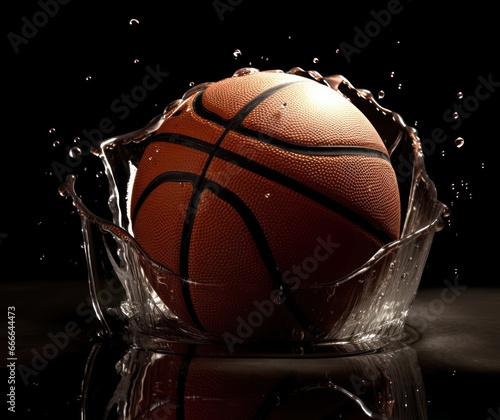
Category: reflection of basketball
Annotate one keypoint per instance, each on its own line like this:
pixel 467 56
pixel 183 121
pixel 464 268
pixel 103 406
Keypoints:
pixel 257 185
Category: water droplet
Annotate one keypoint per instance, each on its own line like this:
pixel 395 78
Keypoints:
pixel 56 143
pixel 75 152
pixel 52 130
pixel 460 95
pixel 236 53
pixel 267 195
pixel 133 22
pixel 315 60
pixel 298 334
pixel 283 106
pixel 482 165
pixel 136 61
pixel 381 94
pixel 400 86
pixel 392 74
pixel 455 115
pixel 244 71
pixel 277 296
pixel 459 142
pixel 99 174
pixel 88 78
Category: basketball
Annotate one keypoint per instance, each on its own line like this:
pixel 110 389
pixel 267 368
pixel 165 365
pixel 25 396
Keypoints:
pixel 256 188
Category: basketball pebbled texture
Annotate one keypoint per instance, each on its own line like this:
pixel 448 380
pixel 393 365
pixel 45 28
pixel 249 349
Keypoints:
pixel 263 183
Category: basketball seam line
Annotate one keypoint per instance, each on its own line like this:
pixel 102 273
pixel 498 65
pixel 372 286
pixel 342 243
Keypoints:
pixel 282 179
pixel 213 117
pixel 259 239
pixel 193 202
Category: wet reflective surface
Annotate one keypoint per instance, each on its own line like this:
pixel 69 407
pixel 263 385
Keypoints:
pixel 447 369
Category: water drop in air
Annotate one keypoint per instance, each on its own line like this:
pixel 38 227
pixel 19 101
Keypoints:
pixel 381 94
pixel 298 334
pixel 75 152
pixel 236 53
pixel 56 143
pixel 315 60
pixel 52 130
pixel 459 142
pixel 133 22
pixel 460 95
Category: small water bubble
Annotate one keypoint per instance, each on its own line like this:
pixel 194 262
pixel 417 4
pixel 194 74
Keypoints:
pixel 381 94
pixel 392 74
pixel 315 60
pixel 298 334
pixel 400 86
pixel 277 297
pixel 88 78
pixel 56 143
pixel 460 95
pixel 459 142
pixel 443 153
pixel 267 195
pixel 52 130
pixel 99 174
pixel 331 290
pixel 483 165
pixel 236 53
pixel 75 152
pixel 133 22
pixel 455 115
pixel 136 61
pixel 76 139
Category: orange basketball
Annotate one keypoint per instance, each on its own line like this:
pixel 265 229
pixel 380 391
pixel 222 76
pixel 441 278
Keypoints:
pixel 257 186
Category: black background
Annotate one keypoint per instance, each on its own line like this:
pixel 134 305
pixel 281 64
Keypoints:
pixel 434 52
pixel 433 49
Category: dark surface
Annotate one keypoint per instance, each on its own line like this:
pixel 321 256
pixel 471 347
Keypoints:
pixel 456 351
pixel 435 51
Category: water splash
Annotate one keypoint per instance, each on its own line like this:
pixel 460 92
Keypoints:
pixel 365 309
